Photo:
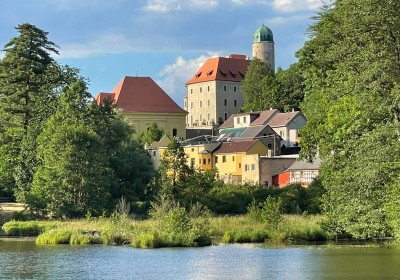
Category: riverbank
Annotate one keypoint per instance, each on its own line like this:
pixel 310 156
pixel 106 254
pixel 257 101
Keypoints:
pixel 150 234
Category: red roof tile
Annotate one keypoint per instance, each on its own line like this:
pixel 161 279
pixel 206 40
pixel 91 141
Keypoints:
pixel 235 147
pixel 142 94
pixel 231 68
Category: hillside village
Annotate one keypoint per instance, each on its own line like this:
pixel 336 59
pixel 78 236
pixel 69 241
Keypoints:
pixel 251 147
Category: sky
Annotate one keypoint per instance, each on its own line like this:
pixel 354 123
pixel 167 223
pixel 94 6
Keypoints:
pixel 167 40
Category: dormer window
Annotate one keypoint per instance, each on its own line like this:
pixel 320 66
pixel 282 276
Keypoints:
pixel 209 73
pixel 223 73
pixel 198 75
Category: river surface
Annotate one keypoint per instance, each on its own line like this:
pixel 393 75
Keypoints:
pixel 25 260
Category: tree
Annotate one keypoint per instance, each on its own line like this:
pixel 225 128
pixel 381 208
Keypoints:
pixel 262 89
pixel 74 177
pixel 30 81
pixel 290 88
pixel 129 161
pixel 174 170
pixel 151 135
pixel 258 77
pixel 352 77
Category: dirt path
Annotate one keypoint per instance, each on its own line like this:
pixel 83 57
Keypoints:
pixel 7 209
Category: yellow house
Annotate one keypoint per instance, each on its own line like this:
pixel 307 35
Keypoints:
pixel 200 156
pixel 143 102
pixel 228 158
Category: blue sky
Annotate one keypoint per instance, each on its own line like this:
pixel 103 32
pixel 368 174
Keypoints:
pixel 167 40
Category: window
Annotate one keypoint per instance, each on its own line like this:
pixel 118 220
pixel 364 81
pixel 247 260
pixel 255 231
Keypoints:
pixel 191 105
pixel 224 88
pixel 234 88
pixel 201 119
pixel 282 134
pixel 216 159
pixel 223 158
pixel 204 161
pixel 185 104
pixel 246 167
pixel 235 103
pixel 200 89
pixel 192 161
pixel 225 102
pixel 208 116
pixel 208 88
pixel 253 167
pixel 174 132
pixel 233 158
pixel 226 115
pixel 191 91
pixel 208 102
pixel 238 120
pixel 240 165
pixel 244 119
pixel 200 103
pixel 209 161
pixel 192 149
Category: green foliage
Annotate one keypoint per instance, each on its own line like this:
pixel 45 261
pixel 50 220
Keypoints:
pixel 27 98
pixel 262 89
pixel 27 228
pixel 271 212
pixel 351 77
pixel 178 226
pixel 151 135
pixel 54 236
pixel 255 86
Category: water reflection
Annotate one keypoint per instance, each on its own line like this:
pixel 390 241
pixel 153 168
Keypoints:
pixel 25 260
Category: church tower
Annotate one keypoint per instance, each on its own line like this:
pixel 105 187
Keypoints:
pixel 263 46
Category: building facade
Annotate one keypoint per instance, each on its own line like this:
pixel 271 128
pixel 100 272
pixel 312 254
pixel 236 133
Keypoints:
pixel 213 93
pixel 143 102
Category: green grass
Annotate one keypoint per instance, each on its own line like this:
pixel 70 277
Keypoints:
pixel 149 234
pixel 29 228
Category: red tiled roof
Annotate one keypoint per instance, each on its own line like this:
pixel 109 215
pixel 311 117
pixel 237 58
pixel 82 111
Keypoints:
pixel 264 117
pixel 141 94
pixel 104 95
pixel 282 119
pixel 235 147
pixel 231 68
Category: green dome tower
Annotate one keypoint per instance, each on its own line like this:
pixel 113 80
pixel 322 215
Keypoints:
pixel 263 46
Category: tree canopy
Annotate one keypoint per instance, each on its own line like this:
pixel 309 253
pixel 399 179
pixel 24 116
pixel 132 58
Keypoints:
pixel 351 71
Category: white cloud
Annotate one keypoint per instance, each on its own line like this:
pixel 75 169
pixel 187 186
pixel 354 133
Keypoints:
pixel 174 76
pixel 165 6
pixel 296 5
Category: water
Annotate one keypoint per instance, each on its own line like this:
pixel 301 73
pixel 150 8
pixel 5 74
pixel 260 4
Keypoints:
pixel 25 260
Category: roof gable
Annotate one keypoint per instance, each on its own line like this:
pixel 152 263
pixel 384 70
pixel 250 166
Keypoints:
pixel 232 68
pixel 235 147
pixel 142 94
pixel 282 119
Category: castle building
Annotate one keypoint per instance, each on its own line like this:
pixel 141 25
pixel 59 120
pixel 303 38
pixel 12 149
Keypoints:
pixel 143 102
pixel 213 93
pixel 263 46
